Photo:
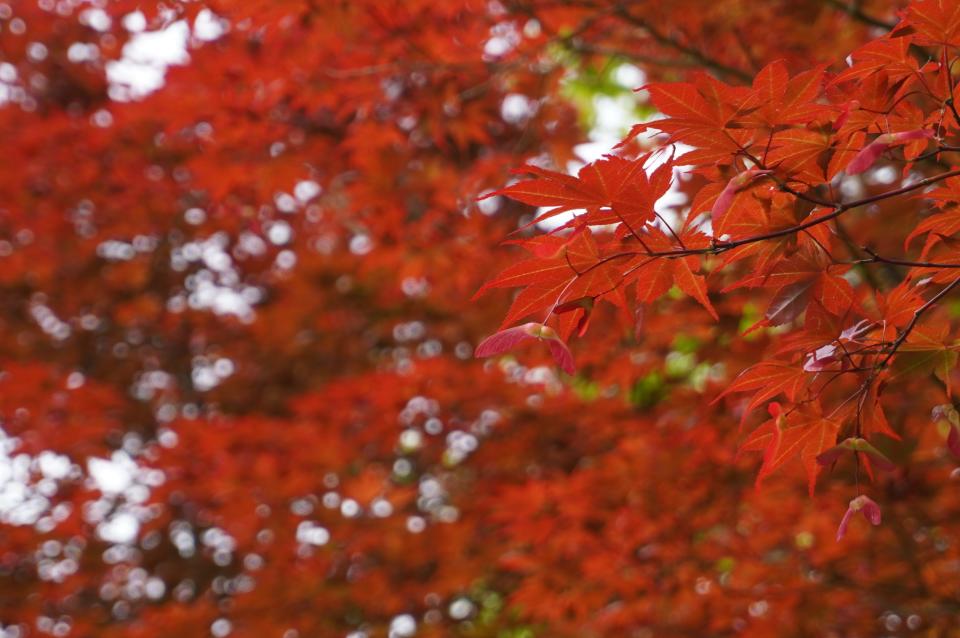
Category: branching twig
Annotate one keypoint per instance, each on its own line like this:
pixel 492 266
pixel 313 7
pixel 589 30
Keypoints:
pixel 839 209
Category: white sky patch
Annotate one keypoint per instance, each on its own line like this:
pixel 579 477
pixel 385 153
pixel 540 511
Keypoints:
pixel 503 38
pixel 516 108
pixel 209 26
pixel 119 528
pixel 629 76
pixel 402 626
pixel 883 175
pixel 217 285
pixel 125 486
pixel 147 55
pixel 306 190
pixel 27 483
pixel 145 60
pixel 614 118
pixel 96 19
pixel 112 476
pixel 135 22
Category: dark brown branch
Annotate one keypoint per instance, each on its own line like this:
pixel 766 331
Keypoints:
pixel 718 247
pixel 875 258
pixel 696 54
pixel 854 11
pixel 839 209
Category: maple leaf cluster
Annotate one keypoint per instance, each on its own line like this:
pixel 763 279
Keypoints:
pixel 776 159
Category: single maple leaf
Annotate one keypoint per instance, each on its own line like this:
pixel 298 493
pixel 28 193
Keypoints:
pixel 803 433
pixel 767 379
pixel 936 22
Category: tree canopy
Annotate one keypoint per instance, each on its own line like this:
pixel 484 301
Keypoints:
pixel 503 318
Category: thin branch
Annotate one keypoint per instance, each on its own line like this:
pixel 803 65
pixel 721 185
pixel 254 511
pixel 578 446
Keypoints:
pixel 670 228
pixel 854 11
pixel 673 43
pixel 875 258
pixel 718 247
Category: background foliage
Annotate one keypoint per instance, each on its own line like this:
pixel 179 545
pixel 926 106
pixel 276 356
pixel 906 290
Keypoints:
pixel 239 395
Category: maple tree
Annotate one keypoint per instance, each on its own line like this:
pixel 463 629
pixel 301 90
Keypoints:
pixel 714 390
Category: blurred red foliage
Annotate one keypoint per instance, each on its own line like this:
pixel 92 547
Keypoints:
pixel 238 392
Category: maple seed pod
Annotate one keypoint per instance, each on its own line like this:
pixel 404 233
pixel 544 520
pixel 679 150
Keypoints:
pixel 510 338
pixel 856 444
pixel 870 153
pixel 864 504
